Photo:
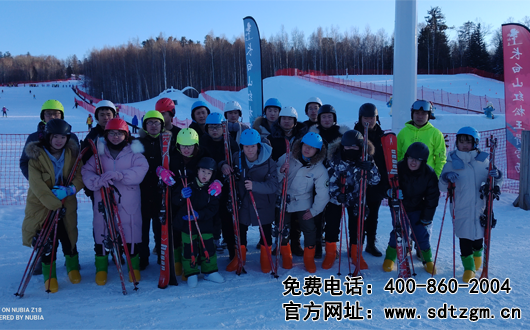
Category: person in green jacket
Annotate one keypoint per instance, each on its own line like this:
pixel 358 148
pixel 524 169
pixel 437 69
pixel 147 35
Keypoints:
pixel 419 129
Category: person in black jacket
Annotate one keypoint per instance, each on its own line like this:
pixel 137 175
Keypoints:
pixel 151 139
pixel 287 128
pixel 419 186
pixel 213 144
pixel 199 113
pixel 368 114
pixel 311 110
pixel 205 204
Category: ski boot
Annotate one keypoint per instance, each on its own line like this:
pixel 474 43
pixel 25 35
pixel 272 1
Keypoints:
pixel 264 259
pixel 193 280
pixel 477 257
pixel 287 256
pixel 72 268
pixel 469 268
pixel 353 255
pixel 135 262
pixel 50 282
pixel 331 253
pixel 102 265
pixel 214 277
pixel 309 259
pixel 232 266
pixel 427 262
pixel 371 248
pixel 390 259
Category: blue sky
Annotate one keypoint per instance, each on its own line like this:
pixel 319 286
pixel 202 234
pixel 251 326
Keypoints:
pixel 64 28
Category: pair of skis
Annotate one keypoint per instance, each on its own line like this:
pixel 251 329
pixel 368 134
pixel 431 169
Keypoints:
pixel 488 221
pixel 233 200
pixel 167 259
pixel 115 238
pixel 42 240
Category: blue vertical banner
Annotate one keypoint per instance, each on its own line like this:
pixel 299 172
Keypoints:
pixel 253 64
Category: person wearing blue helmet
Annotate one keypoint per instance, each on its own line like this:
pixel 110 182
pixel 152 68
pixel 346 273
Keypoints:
pixel 467 168
pixel 199 113
pixel 213 144
pixel 256 173
pixel 271 112
pixel 308 188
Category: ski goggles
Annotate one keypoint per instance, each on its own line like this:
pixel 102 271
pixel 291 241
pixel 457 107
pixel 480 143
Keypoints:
pixel 422 105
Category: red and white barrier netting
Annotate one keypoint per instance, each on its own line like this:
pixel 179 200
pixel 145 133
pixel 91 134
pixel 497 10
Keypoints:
pixel 14 187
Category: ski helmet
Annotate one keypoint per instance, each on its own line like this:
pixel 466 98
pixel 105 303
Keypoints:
pixel 187 137
pixel 272 102
pixel 52 105
pixel 468 130
pixel 327 108
pixel 153 114
pixel 165 105
pixel 207 163
pixel 418 150
pixel 250 137
pixel 104 104
pixel 57 126
pixel 368 110
pixel 422 105
pixel 289 112
pixel 312 99
pixel 117 124
pixel 352 138
pixel 215 118
pixel 198 104
pixel 313 139
pixel 233 105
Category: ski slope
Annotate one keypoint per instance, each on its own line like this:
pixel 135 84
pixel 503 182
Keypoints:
pixel 253 300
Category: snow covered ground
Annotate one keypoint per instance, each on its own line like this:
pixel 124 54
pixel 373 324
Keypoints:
pixel 255 300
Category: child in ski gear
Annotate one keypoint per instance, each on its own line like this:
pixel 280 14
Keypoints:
pixel 205 205
pixel 419 129
pixel 199 112
pixel 184 160
pixel 311 110
pixel 345 166
pixel 4 111
pixel 50 162
pixel 374 194
pixel 419 187
pixel 257 174
pixel 467 167
pixel 124 167
pixel 308 190
pixel 151 139
pixel 232 113
pixel 270 114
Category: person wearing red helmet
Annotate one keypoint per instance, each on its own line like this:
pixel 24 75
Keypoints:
pixel 166 107
pixel 123 166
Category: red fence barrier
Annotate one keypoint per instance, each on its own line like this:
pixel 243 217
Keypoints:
pixel 14 187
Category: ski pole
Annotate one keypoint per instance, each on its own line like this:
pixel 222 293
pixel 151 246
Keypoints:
pixel 441 226
pixel 261 230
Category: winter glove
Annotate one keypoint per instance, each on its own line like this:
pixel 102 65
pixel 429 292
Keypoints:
pixel 450 177
pixel 215 188
pixel 61 192
pixel 190 217
pixel 365 166
pixel 165 175
pixel 341 198
pixel 425 222
pixel 495 173
pixel 186 192
pixel 398 195
pixel 111 176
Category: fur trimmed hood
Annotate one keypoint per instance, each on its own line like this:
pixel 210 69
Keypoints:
pixel 257 123
pixel 318 158
pixel 34 149
pixel 136 146
pixel 335 147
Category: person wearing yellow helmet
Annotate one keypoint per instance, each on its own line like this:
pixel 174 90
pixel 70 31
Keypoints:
pixel 151 198
pixel 184 159
pixel 51 109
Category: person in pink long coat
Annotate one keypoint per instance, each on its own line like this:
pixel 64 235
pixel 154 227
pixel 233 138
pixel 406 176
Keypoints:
pixel 124 166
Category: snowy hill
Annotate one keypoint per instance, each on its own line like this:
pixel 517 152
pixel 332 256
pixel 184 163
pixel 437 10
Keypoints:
pixel 254 300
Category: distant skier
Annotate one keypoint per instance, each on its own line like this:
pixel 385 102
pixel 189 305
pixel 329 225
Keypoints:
pixel 4 111
pixel 89 121
pixel 135 124
pixel 488 110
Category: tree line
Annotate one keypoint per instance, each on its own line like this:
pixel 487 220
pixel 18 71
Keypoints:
pixel 141 70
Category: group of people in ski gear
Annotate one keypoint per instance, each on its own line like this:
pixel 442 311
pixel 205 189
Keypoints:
pixel 286 176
